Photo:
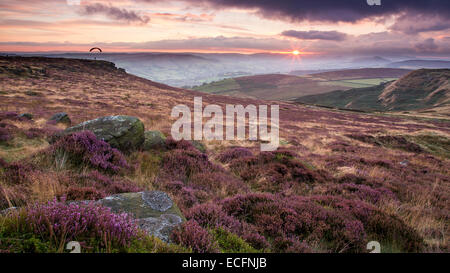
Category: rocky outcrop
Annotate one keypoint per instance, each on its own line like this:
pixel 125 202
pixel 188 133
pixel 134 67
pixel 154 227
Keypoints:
pixel 62 118
pixel 27 116
pixel 122 132
pixel 7 211
pixel 154 139
pixel 154 211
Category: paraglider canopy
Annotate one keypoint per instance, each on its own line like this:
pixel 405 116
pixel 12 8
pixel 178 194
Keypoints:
pixel 95 48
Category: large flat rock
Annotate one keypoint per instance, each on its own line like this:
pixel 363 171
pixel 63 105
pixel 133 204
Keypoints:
pixel 122 132
pixel 154 211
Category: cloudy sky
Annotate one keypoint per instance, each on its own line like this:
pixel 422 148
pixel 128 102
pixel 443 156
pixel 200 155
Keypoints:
pixel 409 27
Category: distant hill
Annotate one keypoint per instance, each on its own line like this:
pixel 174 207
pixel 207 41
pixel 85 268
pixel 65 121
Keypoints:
pixel 362 73
pixel 189 69
pixel 267 86
pixel 307 72
pixel 288 87
pixel 421 89
pixel 418 64
pixel 375 61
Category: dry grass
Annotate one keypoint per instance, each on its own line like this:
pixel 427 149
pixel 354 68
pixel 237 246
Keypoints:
pixel 146 173
pixel 45 187
pixel 20 148
pixel 346 170
pixel 416 214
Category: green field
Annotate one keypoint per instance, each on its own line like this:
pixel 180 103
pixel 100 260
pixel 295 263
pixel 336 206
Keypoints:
pixel 283 87
pixel 225 85
pixel 359 83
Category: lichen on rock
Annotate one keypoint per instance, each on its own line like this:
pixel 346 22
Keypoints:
pixel 122 132
pixel 154 211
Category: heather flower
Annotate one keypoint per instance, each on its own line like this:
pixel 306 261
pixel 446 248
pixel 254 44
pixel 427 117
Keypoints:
pixel 192 235
pixel 17 173
pixel 34 133
pixel 276 171
pixel 94 185
pixel 233 153
pixel 5 135
pixel 61 223
pixel 210 215
pixel 256 240
pixel 362 192
pixel 174 186
pixel 217 181
pixel 172 144
pixel 110 185
pixel 8 115
pixel 182 164
pixel 291 245
pixel 380 225
pixel 295 217
pixel 187 197
pixel 85 147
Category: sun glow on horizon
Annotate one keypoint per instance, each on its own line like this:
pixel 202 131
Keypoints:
pixel 296 52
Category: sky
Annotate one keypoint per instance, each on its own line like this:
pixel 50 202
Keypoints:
pixel 319 27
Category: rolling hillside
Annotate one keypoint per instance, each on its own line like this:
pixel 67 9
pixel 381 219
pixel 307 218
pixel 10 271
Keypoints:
pixel 418 64
pixel 287 87
pixel 422 89
pixel 270 86
pixel 362 73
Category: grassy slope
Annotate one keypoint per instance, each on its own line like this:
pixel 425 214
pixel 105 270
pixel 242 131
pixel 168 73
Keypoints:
pixel 360 99
pixel 279 87
pixel 360 83
pixel 285 87
pixel 421 89
pixel 362 73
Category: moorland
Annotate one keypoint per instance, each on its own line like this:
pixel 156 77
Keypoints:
pixel 339 179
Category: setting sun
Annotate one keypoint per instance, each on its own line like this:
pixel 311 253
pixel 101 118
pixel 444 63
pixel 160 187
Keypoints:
pixel 296 52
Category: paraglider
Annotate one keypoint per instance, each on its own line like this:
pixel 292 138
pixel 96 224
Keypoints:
pixel 96 48
pixel 99 50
